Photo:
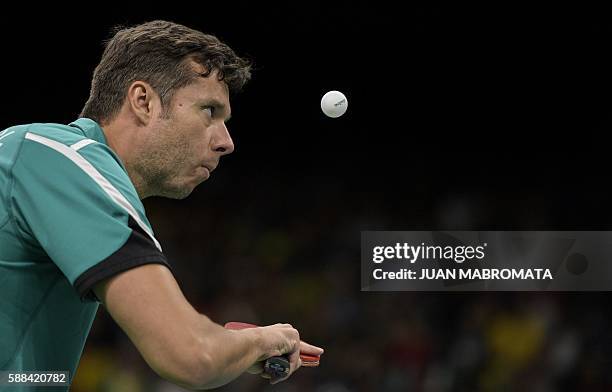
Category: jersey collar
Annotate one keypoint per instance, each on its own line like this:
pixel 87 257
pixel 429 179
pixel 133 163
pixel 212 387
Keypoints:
pixel 90 128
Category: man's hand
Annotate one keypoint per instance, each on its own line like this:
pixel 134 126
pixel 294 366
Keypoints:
pixel 293 354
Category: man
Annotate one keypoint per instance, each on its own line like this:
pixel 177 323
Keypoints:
pixel 73 231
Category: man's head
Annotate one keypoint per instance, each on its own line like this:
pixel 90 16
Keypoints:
pixel 161 93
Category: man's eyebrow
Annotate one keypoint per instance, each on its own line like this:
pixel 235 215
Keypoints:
pixel 218 105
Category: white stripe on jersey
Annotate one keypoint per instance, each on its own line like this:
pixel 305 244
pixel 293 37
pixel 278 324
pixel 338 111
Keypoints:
pixel 95 175
pixel 3 135
pixel 78 145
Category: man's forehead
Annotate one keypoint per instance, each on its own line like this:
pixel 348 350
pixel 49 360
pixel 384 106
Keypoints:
pixel 210 83
pixel 207 91
pixel 202 70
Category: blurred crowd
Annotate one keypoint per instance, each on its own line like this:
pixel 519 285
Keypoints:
pixel 265 252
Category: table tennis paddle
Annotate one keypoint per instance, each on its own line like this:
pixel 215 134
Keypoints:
pixel 276 367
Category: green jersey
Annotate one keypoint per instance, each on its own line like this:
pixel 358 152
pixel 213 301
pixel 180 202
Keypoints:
pixel 69 218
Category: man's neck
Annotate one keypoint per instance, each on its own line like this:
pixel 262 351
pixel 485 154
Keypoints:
pixel 121 138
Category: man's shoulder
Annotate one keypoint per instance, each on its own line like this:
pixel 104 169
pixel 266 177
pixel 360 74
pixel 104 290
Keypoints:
pixel 67 141
pixel 12 139
pixel 67 135
pixel 63 133
pixel 74 161
pixel 64 152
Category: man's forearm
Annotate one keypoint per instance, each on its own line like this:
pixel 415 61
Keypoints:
pixel 179 343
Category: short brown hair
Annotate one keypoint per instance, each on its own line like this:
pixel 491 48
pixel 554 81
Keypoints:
pixel 157 52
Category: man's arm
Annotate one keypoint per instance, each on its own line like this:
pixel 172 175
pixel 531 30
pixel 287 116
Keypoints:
pixel 180 344
pixel 105 245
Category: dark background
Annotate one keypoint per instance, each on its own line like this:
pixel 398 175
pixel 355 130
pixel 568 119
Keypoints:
pixel 459 118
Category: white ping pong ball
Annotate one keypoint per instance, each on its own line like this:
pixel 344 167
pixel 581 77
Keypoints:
pixel 334 104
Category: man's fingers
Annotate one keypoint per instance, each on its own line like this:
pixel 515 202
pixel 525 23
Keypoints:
pixel 306 348
pixel 294 357
pixel 291 347
pixel 294 364
pixel 294 360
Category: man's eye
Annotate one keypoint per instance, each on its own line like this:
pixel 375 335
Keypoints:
pixel 210 110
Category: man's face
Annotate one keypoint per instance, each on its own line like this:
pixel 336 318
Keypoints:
pixel 185 145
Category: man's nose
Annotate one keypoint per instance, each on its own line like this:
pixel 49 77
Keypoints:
pixel 223 142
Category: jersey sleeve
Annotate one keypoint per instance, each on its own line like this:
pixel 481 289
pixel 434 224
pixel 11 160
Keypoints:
pixel 82 210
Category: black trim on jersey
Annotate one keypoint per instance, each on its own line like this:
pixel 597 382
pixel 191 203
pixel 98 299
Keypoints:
pixel 138 250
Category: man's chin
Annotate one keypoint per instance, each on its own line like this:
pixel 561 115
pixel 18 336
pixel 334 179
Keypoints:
pixel 178 192
pixel 178 189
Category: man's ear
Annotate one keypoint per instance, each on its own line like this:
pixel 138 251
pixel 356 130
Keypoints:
pixel 143 101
